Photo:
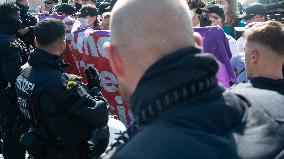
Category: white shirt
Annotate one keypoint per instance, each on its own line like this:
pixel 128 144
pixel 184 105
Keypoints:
pixel 233 45
pixel 240 44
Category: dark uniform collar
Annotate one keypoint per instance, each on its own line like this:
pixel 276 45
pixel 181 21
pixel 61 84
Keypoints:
pixel 41 58
pixel 268 83
pixel 183 67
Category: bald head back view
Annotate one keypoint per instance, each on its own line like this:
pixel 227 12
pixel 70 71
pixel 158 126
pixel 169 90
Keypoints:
pixel 144 31
pixel 155 25
pixel 179 108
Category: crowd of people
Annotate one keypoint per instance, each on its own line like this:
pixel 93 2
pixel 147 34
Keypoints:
pixel 169 83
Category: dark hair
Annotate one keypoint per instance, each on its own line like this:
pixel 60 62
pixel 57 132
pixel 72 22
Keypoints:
pixel 8 9
pixel 269 33
pixel 66 9
pixel 48 31
pixel 88 10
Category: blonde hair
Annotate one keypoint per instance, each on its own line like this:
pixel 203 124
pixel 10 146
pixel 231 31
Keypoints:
pixel 233 12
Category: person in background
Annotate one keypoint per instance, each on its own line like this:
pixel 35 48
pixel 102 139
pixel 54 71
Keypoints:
pixel 68 12
pixel 231 16
pixel 238 61
pixel 264 55
pixel 28 23
pixel 77 4
pixel 65 10
pixel 47 8
pixel 255 12
pixel 65 115
pixel 105 20
pixel 216 15
pixel 11 61
pixel 195 7
pixel 88 17
pixel 90 2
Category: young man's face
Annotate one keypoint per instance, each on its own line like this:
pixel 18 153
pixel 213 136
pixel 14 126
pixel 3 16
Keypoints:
pixel 105 23
pixel 257 18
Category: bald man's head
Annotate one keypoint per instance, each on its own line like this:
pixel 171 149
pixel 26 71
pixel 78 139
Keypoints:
pixel 158 26
pixel 143 32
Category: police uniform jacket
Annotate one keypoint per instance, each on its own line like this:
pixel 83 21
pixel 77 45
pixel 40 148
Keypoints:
pixel 57 103
pixel 11 53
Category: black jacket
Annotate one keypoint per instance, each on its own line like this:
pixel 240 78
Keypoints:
pixel 10 51
pixel 30 21
pixel 57 103
pixel 182 112
pixel 12 55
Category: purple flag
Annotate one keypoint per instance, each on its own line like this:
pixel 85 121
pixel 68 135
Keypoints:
pixel 216 42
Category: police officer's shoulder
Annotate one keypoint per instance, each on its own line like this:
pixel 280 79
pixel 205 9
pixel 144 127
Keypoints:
pixel 50 82
pixel 70 81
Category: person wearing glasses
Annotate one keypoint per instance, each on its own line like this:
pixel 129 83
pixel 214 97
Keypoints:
pixel 47 8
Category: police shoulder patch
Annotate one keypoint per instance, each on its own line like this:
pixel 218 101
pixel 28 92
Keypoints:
pixel 70 84
pixel 14 44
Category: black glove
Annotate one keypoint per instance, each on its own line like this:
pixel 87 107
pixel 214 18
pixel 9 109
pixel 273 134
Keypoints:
pixel 99 141
pixel 93 78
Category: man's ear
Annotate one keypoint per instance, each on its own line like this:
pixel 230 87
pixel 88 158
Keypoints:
pixel 254 56
pixel 198 40
pixel 114 58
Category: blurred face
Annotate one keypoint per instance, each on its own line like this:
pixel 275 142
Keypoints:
pixel 195 19
pixel 105 23
pixel 256 18
pixel 48 5
pixel 259 18
pixel 223 3
pixel 215 19
pixel 24 2
pixel 91 20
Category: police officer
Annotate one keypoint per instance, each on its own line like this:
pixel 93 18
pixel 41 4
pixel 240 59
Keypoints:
pixel 59 107
pixel 10 66
pixel 28 23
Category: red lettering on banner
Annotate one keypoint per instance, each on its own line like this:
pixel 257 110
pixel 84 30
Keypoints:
pixel 87 48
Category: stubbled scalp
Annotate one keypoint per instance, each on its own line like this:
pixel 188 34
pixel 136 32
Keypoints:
pixel 151 26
